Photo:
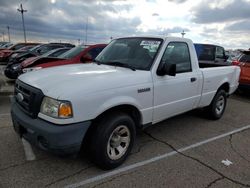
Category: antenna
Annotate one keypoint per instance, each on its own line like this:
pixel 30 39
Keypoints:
pixel 183 33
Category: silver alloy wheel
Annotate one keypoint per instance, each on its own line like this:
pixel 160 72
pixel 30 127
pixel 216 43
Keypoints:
pixel 118 142
pixel 220 104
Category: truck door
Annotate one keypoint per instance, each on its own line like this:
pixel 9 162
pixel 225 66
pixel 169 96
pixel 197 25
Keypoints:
pixel 176 94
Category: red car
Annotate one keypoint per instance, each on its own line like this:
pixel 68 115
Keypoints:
pixel 6 53
pixel 244 63
pixel 79 54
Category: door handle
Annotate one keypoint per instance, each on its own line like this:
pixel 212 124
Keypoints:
pixel 193 79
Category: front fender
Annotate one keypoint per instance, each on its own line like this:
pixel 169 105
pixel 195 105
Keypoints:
pixel 117 101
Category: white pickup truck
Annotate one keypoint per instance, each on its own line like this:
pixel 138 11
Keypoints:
pixel 133 83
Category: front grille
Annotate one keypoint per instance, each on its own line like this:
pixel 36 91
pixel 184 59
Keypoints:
pixel 28 98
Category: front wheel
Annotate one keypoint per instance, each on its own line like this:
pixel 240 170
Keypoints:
pixel 112 140
pixel 217 107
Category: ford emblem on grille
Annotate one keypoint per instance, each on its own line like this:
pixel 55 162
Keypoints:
pixel 19 97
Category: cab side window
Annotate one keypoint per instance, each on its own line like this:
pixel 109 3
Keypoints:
pixel 219 52
pixel 205 52
pixel 178 53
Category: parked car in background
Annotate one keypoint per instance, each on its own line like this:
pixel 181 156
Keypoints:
pixel 36 51
pixel 17 46
pixel 6 45
pixel 79 54
pixel 244 63
pixel 68 45
pixel 3 44
pixel 231 58
pixel 232 55
pixel 209 54
pixel 6 53
pixel 53 53
pixel 12 71
pixel 21 50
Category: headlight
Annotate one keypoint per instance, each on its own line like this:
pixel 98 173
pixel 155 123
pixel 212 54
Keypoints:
pixel 56 108
pixel 31 69
pixel 16 66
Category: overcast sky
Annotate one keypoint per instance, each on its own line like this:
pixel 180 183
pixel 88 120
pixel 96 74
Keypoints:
pixel 223 22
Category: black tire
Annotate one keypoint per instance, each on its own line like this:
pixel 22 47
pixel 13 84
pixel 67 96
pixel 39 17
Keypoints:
pixel 101 140
pixel 214 110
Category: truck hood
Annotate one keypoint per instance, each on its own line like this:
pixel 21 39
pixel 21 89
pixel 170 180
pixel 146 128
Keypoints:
pixel 63 82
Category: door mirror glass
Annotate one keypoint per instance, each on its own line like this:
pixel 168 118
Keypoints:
pixel 170 69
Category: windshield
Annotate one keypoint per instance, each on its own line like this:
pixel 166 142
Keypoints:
pixel 35 47
pixel 138 53
pixel 47 54
pixel 72 53
pixel 245 58
pixel 17 46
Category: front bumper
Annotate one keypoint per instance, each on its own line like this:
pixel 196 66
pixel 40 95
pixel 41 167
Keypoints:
pixel 11 73
pixel 58 139
pixel 4 59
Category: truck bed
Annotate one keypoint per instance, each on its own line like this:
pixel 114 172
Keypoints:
pixel 216 76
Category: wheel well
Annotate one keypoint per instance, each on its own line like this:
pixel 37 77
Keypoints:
pixel 128 109
pixel 225 87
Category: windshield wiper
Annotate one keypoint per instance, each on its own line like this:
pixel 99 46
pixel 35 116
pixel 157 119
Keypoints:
pixel 119 64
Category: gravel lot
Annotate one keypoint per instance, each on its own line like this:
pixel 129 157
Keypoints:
pixel 184 151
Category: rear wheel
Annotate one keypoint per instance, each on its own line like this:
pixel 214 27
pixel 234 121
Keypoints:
pixel 112 140
pixel 217 107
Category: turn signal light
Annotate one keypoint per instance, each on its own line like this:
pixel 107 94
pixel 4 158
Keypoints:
pixel 65 110
pixel 237 63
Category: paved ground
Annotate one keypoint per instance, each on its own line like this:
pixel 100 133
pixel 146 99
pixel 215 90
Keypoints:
pixel 184 151
pixel 6 85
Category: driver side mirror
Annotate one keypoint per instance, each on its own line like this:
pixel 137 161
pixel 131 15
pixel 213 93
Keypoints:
pixel 167 69
pixel 86 58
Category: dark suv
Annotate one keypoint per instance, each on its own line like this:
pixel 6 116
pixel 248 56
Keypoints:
pixel 209 54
